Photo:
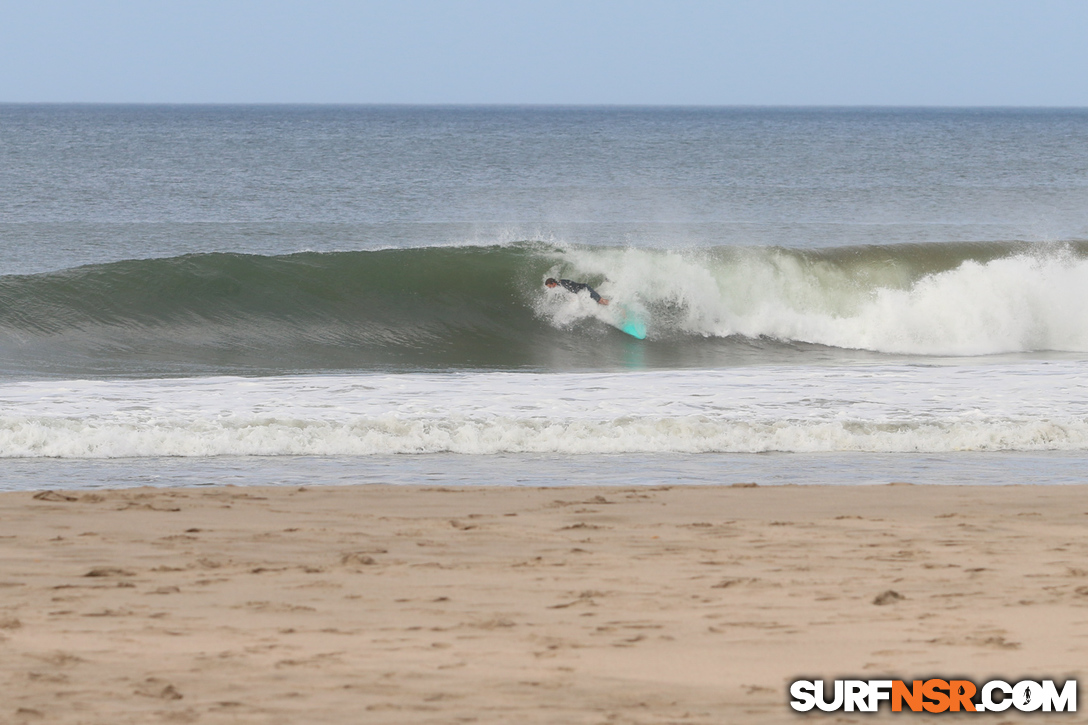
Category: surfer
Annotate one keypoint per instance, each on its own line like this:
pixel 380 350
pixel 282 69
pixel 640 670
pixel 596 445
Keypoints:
pixel 575 287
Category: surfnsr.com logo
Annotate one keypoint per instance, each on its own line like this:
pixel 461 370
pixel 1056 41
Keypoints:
pixel 934 695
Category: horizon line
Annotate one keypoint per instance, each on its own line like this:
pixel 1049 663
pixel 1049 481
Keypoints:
pixel 506 105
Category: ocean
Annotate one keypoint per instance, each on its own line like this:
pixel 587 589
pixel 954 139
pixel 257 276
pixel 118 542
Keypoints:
pixel 192 295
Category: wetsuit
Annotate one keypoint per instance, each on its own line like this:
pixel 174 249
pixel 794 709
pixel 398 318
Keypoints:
pixel 577 287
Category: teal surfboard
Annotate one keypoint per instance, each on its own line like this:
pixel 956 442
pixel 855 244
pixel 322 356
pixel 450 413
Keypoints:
pixel 633 324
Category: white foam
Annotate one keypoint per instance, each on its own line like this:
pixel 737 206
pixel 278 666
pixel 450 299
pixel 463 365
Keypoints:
pixel 1029 406
pixel 1021 303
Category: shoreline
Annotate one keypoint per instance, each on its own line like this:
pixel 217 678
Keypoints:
pixel 968 468
pixel 383 603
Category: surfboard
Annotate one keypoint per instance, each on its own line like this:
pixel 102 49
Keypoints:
pixel 632 323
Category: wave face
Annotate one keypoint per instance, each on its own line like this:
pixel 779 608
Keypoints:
pixel 440 308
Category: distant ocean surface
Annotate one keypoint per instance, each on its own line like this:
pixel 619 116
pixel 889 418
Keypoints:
pixel 293 294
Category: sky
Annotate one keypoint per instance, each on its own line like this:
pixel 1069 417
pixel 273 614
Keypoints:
pixel 637 52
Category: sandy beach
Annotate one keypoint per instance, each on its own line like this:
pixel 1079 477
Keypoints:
pixel 383 604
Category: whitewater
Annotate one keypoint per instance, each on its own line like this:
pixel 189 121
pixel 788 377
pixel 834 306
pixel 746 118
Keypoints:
pixel 886 409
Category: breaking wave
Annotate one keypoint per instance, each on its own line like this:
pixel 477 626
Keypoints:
pixel 443 308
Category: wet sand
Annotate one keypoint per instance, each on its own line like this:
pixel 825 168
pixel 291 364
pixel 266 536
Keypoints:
pixel 382 604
